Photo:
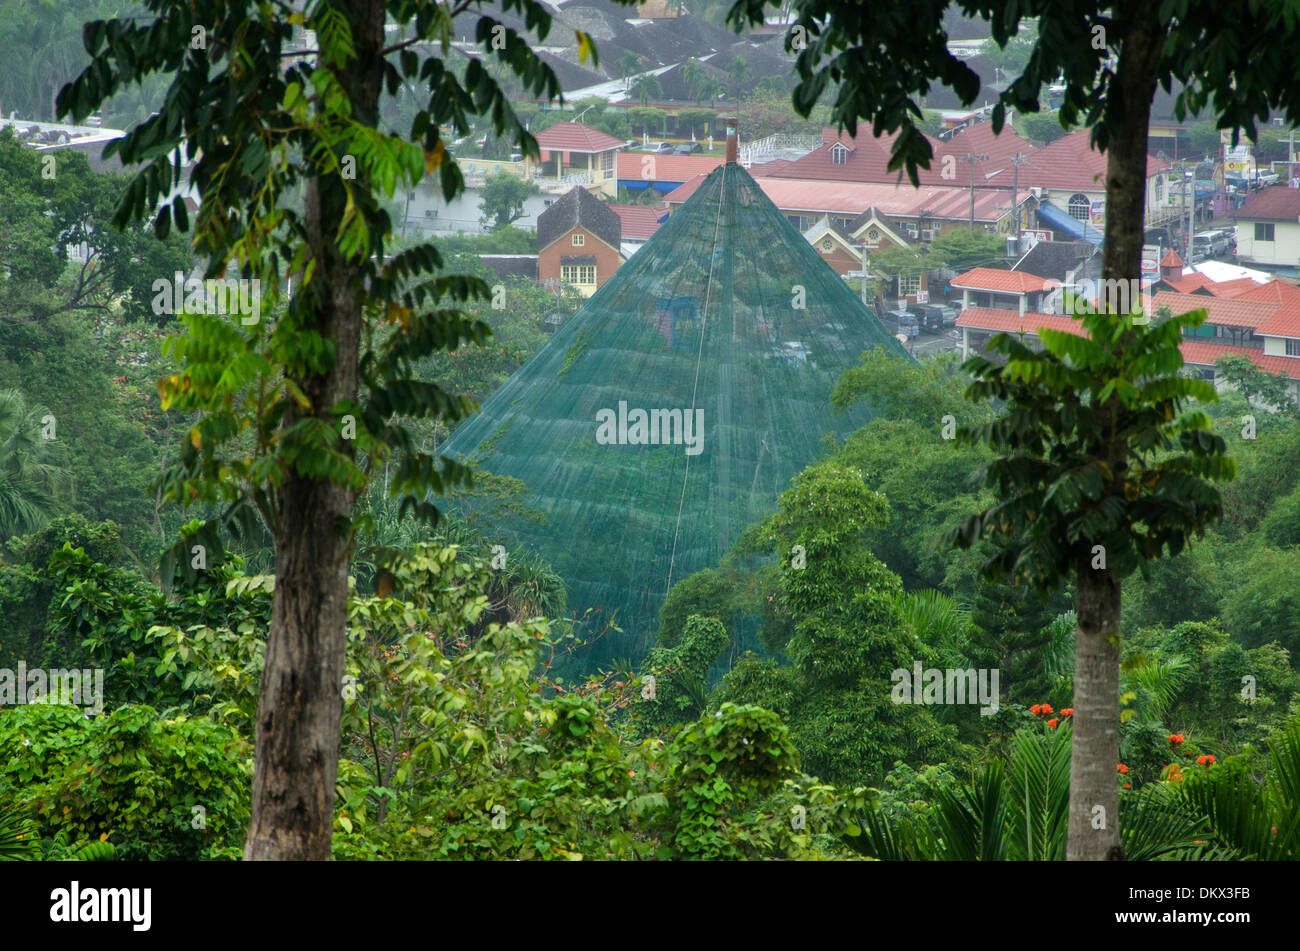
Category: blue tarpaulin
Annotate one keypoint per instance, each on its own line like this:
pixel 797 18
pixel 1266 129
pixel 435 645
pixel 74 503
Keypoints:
pixel 1072 226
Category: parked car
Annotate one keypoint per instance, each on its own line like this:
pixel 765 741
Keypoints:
pixel 901 322
pixel 929 316
pixel 1211 244
pixel 659 148
pixel 687 148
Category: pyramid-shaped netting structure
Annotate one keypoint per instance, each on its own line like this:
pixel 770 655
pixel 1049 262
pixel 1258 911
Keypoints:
pixel 672 410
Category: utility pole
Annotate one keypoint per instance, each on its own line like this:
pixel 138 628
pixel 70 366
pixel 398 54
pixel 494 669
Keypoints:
pixel 972 159
pixel 863 248
pixel 1015 195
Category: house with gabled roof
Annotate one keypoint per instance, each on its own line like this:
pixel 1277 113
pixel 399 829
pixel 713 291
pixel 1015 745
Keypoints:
pixel 835 245
pixel 1268 227
pixel 578 242
pixel 999 289
pixel 577 154
pixel 875 229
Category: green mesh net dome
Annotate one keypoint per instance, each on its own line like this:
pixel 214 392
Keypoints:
pixel 672 410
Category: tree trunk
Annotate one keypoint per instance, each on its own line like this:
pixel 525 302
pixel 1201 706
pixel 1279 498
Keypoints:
pixel 301 703
pixel 1093 833
pixel 1094 794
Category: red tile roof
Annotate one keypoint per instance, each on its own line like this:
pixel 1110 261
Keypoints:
pixel 1277 292
pixel 1188 282
pixel 665 168
pixel 1171 259
pixel 639 221
pixel 1234 288
pixel 1275 203
pixel 1225 312
pixel 868 158
pixel 994 279
pixel 796 196
pixel 1205 354
pixel 576 137
pixel 1284 322
pixel 1010 321
pixel 1072 162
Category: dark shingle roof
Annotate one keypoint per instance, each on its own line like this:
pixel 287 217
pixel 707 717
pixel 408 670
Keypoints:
pixel 579 207
pixel 1055 259
pixel 511 265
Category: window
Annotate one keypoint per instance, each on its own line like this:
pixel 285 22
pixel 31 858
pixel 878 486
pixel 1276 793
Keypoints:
pixel 579 240
pixel 1292 347
pixel 839 154
pixel 827 245
pixel 578 274
pixel 1160 188
pixel 607 164
pixel 873 233
pixel 909 285
pixel 1263 231
pixel 1080 207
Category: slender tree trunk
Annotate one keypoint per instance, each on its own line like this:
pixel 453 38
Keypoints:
pixel 1093 827
pixel 1094 795
pixel 301 703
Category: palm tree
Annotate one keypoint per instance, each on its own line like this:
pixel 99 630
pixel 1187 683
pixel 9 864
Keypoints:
pixel 739 69
pixel 692 76
pixel 1018 811
pixel 32 484
pixel 1250 819
pixel 710 88
pixel 647 87
pixel 627 63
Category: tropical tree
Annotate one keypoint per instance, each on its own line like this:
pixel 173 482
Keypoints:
pixel 32 483
pixel 1094 474
pixel 692 76
pixel 504 195
pixel 739 70
pixel 296 412
pixel 1110 59
pixel 961 249
pixel 627 65
pixel 1016 811
pixel 710 88
pixel 647 87
pixel 1256 384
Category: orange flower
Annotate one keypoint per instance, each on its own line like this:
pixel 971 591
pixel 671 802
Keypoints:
pixel 1175 738
pixel 1053 723
pixel 1035 709
pixel 1128 785
pixel 1121 768
pixel 1067 711
pixel 1210 759
pixel 1047 708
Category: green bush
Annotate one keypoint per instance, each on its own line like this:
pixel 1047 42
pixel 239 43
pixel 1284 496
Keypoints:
pixel 130 777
